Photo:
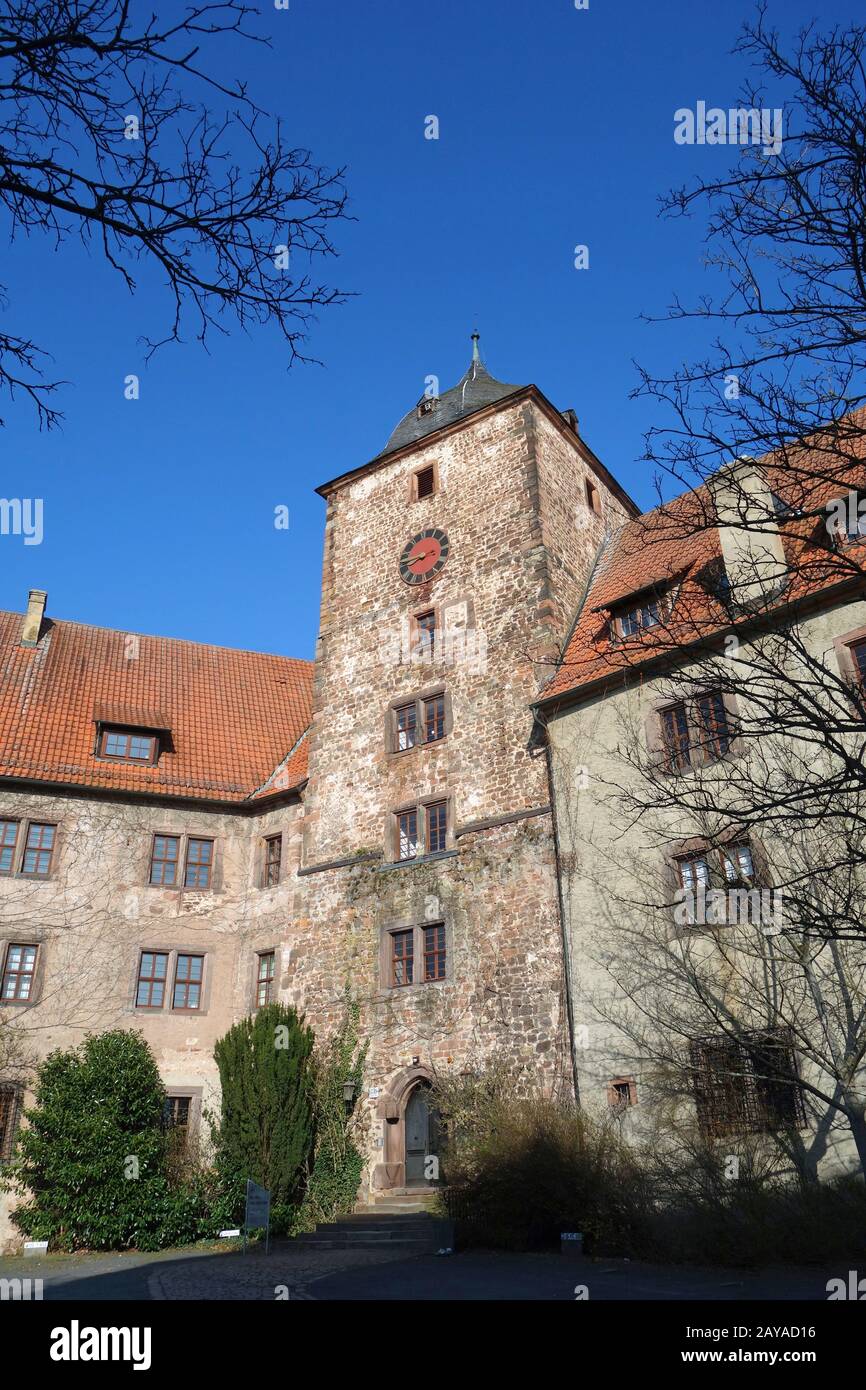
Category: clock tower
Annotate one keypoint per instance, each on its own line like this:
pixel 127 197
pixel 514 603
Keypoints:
pixel 454 562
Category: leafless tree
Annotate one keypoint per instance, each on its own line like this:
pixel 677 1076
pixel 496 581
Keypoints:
pixel 104 137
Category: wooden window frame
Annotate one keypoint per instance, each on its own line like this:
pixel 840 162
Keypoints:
pixel 437 952
pixel 698 751
pixel 440 830
pixel 187 982
pixel 269 862
pixel 716 856
pixel 173 952
pixel 406 935
pixel 12 1094
pixel 399 816
pixel 419 701
pixel 420 809
pixel 847 663
pixel 593 496
pixel 615 1088
pixel 193 1094
pixel 627 610
pixel 26 848
pixel 107 731
pixel 398 733
pixel 177 861
pixel 416 930
pixel 13 863
pixel 151 980
pixel 268 980
pixel 197 864
pixel 414 482
pixel 430 610
pixel 32 975
pixel 183 862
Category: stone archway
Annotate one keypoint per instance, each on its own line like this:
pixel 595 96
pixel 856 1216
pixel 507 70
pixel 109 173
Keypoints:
pixel 391 1172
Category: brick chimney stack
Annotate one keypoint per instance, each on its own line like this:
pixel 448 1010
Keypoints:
pixel 32 627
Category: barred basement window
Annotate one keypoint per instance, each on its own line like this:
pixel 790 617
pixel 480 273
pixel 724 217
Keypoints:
pixel 150 986
pixel 402 957
pixel 273 858
pixel 265 978
pixel 18 972
pixel 10 1097
pixel 747 1085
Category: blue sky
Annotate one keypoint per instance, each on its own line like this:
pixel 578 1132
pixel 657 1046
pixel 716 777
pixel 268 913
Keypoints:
pixel 556 128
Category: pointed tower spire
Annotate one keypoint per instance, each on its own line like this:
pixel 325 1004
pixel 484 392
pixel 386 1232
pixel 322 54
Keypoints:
pixel 476 355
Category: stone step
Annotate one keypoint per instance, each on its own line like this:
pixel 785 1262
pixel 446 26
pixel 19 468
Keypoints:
pixel 371 1232
pixel 362 1242
pixel 386 1209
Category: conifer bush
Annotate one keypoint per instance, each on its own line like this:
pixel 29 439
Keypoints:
pixel 266 1125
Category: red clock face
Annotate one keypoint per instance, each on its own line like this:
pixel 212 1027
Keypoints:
pixel 424 556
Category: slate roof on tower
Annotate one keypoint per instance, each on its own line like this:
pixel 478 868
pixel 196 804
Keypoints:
pixel 475 390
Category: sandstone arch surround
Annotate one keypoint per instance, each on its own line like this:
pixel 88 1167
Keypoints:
pixel 391 1110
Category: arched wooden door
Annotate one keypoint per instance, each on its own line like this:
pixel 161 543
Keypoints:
pixel 422 1139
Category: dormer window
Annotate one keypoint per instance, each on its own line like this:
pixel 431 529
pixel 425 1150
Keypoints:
pixel 631 621
pixel 131 734
pixel 427 405
pixel 129 746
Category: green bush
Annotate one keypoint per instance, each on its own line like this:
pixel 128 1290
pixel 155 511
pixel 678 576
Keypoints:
pixel 522 1169
pixel 266 1122
pixel 92 1165
pixel 756 1223
pixel 338 1163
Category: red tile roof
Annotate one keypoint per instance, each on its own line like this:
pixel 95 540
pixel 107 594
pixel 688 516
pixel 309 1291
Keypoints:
pixel 677 546
pixel 235 716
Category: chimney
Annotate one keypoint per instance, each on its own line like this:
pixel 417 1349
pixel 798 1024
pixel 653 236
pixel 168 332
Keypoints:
pixel 32 628
pixel 752 548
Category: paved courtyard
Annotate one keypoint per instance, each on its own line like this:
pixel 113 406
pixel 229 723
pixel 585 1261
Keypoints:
pixel 294 1272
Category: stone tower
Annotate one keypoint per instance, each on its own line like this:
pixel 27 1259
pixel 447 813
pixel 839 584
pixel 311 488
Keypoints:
pixel 453 565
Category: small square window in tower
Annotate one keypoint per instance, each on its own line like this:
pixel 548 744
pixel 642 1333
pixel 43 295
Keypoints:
pixel 425 483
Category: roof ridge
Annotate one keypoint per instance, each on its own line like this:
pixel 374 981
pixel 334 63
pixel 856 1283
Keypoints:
pixel 159 637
